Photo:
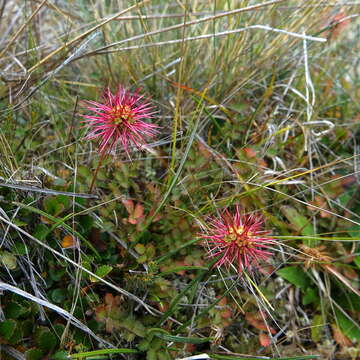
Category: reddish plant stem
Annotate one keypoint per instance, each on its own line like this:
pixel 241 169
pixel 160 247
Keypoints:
pixel 96 171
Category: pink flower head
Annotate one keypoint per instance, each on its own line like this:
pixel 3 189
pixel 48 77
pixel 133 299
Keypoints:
pixel 238 238
pixel 119 119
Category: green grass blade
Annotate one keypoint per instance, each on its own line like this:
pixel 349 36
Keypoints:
pixel 58 222
pixel 103 352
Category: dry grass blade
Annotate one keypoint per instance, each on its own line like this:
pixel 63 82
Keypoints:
pixel 58 309
pixel 256 103
pixel 189 23
pixel 48 191
pixel 85 34
pixel 18 33
pixel 55 252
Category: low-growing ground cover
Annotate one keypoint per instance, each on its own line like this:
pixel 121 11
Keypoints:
pixel 179 179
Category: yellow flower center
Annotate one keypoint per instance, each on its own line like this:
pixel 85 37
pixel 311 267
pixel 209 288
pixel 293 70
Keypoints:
pixel 122 113
pixel 238 236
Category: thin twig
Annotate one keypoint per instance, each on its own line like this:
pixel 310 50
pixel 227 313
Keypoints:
pixel 213 35
pixel 22 28
pixel 57 253
pixel 86 33
pixel 58 309
pixel 189 23
pixel 48 191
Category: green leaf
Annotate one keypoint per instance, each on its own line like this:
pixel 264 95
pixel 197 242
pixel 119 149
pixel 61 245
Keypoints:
pixel 295 276
pixel 133 326
pixel 60 355
pixel 151 354
pixel 58 222
pixel 86 222
pixel 58 295
pixel 140 248
pixel 317 327
pixel 27 327
pixel 8 260
pixel 14 310
pixel 348 327
pixel 101 271
pixel 357 261
pixel 141 259
pixel 354 231
pixel 41 231
pixel 349 302
pixel 300 223
pixel 19 223
pixel 144 345
pixel 34 354
pixel 150 252
pixel 103 352
pixel 46 340
pixel 19 248
pixel 7 328
pixel 57 273
pixel 164 356
pixel 84 172
pixel 311 296
pixel 53 205
pixel 86 265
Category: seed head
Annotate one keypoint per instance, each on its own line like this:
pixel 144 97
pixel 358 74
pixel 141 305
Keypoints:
pixel 119 119
pixel 238 238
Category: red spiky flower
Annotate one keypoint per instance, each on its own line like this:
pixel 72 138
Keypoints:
pixel 120 120
pixel 238 238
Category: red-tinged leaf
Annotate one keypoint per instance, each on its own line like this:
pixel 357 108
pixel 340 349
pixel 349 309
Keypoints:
pixel 258 316
pixel 332 188
pixel 109 299
pixel 350 274
pixel 342 278
pixel 349 258
pixel 264 339
pixel 249 152
pixel 45 220
pixel 321 203
pixel 190 348
pixel 109 325
pixel 223 301
pixel 226 314
pixel 129 205
pixel 154 190
pixel 204 151
pixel 349 180
pixel 339 22
pixel 163 306
pixel 157 217
pixel 139 211
pixel 258 323
pixel 262 164
pixel 341 339
pixel 109 312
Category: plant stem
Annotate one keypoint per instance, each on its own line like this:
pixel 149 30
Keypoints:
pixel 96 172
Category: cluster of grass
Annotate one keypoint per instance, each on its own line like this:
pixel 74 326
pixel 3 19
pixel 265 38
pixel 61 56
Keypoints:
pixel 258 106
